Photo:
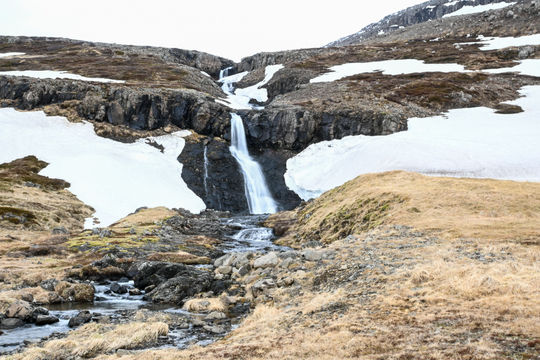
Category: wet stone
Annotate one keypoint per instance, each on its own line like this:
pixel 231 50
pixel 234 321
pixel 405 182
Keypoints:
pixel 81 318
pixel 46 320
pixel 11 323
pixel 117 288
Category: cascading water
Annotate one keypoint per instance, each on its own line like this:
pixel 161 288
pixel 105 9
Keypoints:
pixel 259 199
pixel 205 180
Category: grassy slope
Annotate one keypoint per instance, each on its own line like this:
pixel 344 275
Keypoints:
pixel 472 208
pixel 459 282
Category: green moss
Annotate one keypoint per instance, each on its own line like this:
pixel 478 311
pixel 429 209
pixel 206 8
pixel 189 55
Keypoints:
pixel 363 215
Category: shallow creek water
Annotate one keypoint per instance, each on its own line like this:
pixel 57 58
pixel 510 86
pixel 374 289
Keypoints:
pixel 120 307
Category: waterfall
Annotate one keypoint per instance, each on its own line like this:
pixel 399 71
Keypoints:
pixel 205 180
pixel 259 199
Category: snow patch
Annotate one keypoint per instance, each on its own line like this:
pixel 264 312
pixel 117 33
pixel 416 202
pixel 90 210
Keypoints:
pixel 529 67
pixel 452 3
pixel 50 74
pixel 112 177
pixel 469 9
pixel 497 43
pixel 473 142
pixel 11 54
pixel 388 67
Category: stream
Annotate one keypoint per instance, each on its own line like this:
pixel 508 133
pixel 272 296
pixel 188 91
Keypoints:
pixel 119 308
pixel 251 237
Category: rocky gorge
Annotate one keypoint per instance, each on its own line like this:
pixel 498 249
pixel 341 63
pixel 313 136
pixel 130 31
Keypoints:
pixel 388 265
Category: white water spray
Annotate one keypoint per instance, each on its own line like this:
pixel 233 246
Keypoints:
pixel 259 199
pixel 205 180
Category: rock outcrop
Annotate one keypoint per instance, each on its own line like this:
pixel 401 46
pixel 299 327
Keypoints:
pixel 429 11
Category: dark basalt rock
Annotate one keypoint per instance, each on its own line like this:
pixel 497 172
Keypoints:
pixel 136 108
pixel 46 320
pixel 294 128
pixel 11 323
pixel 224 190
pixel 118 289
pixel 170 282
pixel 176 289
pixel 81 318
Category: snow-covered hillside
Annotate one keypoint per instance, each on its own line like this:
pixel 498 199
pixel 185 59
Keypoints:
pixel 114 178
pixel 51 74
pixel 473 142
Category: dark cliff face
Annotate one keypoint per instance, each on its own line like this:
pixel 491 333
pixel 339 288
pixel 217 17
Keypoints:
pixel 136 108
pixel 295 128
pixel 223 188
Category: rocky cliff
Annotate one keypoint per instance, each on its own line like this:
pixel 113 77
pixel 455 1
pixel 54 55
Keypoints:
pixel 425 12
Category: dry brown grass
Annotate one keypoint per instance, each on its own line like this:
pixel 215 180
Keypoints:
pixel 36 208
pixel 463 283
pixel 179 257
pixel 451 207
pixel 93 339
pixel 467 287
pixel 205 304
pixel 144 217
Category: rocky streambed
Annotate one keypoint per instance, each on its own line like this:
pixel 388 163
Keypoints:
pixel 201 302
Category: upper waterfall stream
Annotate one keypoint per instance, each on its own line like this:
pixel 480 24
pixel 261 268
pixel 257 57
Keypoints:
pixel 259 199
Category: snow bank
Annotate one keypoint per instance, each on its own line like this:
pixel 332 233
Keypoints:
pixel 388 67
pixel 464 143
pixel 240 98
pixel 11 54
pixel 112 177
pixel 452 3
pixel 468 10
pixel 50 74
pixel 497 43
pixel 529 67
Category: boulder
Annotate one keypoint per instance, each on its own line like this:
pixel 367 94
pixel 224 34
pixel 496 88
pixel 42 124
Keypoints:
pixel 215 315
pixel 20 310
pixel 312 255
pixel 265 261
pixel 117 288
pixel 11 323
pixel 75 292
pixel 46 320
pixel 261 286
pixel 155 272
pixel 81 318
pixel 187 282
pixel 215 329
pixel 225 270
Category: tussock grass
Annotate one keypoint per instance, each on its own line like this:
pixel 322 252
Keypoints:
pixel 93 339
pixel 205 304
